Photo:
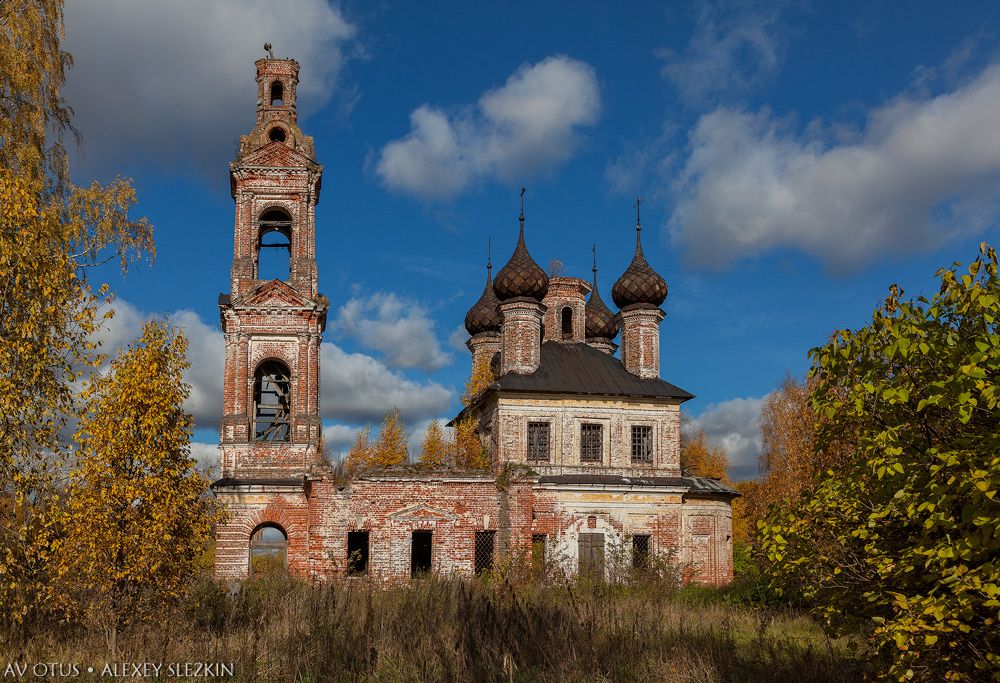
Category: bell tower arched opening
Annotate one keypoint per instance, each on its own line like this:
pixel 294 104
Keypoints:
pixel 274 245
pixel 272 387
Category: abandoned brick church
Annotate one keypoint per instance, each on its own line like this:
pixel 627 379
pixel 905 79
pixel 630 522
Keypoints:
pixel 585 446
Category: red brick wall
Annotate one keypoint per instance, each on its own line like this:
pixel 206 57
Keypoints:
pixel 640 329
pixel 566 292
pixel 522 341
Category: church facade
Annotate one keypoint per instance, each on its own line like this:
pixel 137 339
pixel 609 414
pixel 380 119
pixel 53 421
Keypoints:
pixel 584 445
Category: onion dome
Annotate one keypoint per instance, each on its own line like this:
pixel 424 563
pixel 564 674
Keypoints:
pixel 639 284
pixel 601 322
pixel 483 316
pixel 521 277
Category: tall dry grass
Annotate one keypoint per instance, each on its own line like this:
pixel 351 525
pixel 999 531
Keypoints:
pixel 450 629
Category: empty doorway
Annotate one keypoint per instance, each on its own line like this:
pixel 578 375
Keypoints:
pixel 420 553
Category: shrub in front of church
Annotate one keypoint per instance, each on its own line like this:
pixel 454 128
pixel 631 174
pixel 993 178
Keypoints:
pixel 902 541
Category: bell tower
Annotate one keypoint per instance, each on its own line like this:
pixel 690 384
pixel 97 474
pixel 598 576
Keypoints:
pixel 273 317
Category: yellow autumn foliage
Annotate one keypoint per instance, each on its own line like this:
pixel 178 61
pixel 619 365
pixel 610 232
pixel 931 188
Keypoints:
pixel 136 518
pixel 435 449
pixel 51 231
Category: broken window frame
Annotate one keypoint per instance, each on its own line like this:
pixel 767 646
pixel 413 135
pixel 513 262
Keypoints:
pixel 591 442
pixel 539 441
pixel 272 378
pixel 642 444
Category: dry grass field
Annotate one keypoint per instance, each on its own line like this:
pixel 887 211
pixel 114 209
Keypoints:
pixel 438 629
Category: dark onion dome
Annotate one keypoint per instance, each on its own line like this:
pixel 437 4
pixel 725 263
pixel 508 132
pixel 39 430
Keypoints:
pixel 639 284
pixel 483 316
pixel 601 322
pixel 521 277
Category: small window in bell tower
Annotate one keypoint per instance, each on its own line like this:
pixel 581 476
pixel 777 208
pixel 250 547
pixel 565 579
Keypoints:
pixel 277 94
pixel 276 134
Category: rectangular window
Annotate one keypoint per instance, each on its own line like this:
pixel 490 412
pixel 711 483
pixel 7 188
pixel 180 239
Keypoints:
pixel 591 443
pixel 538 551
pixel 591 547
pixel 538 441
pixel 484 551
pixel 642 443
pixel 357 553
pixel 420 553
pixel 640 551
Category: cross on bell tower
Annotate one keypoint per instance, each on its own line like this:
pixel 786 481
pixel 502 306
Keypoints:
pixel 273 318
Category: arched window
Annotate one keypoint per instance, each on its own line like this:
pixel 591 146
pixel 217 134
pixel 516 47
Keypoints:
pixel 277 94
pixel 274 246
pixel 567 323
pixel 272 401
pixel 268 550
pixel 276 134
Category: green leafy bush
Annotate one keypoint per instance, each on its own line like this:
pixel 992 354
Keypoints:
pixel 902 542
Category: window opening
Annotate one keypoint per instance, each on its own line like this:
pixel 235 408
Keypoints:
pixel 538 551
pixel 642 443
pixel 420 553
pixel 357 553
pixel 591 547
pixel 276 134
pixel 272 402
pixel 277 94
pixel 591 443
pixel 268 550
pixel 640 551
pixel 274 246
pixel 538 441
pixel 567 323
pixel 484 550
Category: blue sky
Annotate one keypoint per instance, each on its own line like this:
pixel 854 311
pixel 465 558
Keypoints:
pixel 794 158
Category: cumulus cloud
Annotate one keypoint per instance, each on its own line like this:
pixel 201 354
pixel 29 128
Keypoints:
pixel 338 438
pixel 355 387
pixel 398 328
pixel 734 424
pixel 458 337
pixel 528 125
pixel 735 46
pixel 173 82
pixel 358 388
pixel 208 457
pixel 919 172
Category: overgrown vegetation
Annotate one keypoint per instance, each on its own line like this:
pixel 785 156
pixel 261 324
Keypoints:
pixel 901 540
pixel 471 630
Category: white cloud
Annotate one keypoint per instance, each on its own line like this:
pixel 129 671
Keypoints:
pixel 173 82
pixel 735 46
pixel 208 457
pixel 526 126
pixel 355 387
pixel 338 438
pixel 734 424
pixel 458 337
pixel 358 388
pixel 400 329
pixel 922 170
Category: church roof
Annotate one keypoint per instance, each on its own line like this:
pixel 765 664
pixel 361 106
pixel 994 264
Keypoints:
pixel 581 369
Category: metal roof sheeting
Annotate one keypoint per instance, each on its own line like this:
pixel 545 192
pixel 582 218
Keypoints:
pixel 581 369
